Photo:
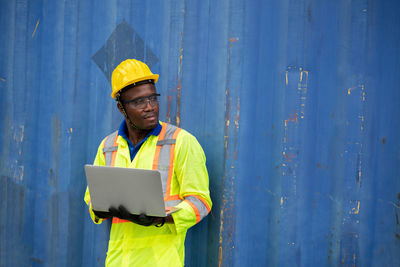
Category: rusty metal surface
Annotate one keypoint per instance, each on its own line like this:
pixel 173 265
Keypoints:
pixel 296 104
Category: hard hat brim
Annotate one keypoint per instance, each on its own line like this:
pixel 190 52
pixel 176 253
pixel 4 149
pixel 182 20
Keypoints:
pixel 150 77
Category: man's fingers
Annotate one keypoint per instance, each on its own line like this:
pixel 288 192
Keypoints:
pixel 114 212
pixel 124 212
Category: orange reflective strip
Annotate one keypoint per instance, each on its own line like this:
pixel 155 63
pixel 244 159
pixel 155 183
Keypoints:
pixel 162 133
pixel 168 195
pixel 156 157
pixel 115 140
pixel 114 153
pixel 196 211
pixel 118 220
pixel 158 148
pixel 176 133
pixel 202 200
pixel 173 197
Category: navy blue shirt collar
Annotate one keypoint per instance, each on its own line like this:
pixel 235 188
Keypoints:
pixel 123 132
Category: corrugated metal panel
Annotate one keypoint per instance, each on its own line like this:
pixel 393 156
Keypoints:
pixel 295 103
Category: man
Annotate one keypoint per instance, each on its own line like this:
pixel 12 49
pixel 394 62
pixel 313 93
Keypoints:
pixel 144 142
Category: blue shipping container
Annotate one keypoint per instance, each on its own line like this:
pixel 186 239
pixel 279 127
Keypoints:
pixel 296 104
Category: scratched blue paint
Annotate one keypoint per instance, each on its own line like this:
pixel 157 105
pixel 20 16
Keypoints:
pixel 296 104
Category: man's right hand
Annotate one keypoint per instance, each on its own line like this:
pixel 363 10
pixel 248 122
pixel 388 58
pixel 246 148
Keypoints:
pixel 123 213
pixel 102 214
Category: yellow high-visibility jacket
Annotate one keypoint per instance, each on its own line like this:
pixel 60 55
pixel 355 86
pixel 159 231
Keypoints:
pixel 181 161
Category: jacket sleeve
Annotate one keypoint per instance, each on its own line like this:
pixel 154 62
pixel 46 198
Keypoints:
pixel 191 172
pixel 99 161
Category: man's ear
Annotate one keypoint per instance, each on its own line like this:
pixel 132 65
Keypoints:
pixel 120 107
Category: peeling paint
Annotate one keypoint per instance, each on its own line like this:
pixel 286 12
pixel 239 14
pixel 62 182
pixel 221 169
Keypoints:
pixel 287 81
pixel 363 91
pixel 230 156
pixel 233 39
pixel 362 122
pixel 357 209
pixel 356 126
pixel 37 24
pixel 221 230
pixel 292 118
pixel 225 142
pixel 237 113
pixel 359 167
pixel 178 104
pixel 19 134
pixel 288 157
pixel 169 103
pixel 349 90
pixel 18 172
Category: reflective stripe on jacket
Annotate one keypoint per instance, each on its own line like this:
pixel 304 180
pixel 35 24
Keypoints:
pixel 181 162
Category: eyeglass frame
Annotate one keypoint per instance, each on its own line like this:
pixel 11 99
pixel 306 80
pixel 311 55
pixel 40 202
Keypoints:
pixel 147 99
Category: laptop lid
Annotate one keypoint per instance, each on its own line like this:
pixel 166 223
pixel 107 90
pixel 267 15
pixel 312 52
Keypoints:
pixel 140 191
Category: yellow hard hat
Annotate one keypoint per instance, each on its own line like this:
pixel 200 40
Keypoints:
pixel 129 72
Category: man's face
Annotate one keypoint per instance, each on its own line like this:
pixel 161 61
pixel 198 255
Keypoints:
pixel 145 118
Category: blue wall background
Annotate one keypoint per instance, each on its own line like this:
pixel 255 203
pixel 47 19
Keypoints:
pixel 296 104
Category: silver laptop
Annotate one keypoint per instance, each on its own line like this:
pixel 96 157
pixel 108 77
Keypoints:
pixel 140 191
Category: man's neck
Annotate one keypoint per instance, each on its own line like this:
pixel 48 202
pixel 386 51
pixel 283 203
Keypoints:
pixel 136 135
